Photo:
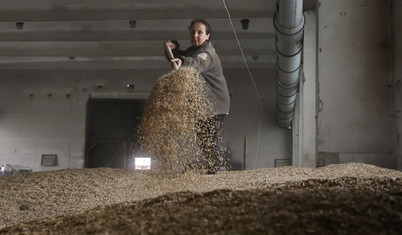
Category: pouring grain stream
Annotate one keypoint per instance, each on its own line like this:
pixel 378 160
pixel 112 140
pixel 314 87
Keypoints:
pixel 168 129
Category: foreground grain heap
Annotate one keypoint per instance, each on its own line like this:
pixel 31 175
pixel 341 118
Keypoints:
pixel 168 129
pixel 338 199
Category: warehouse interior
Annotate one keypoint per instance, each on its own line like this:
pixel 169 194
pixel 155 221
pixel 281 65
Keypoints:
pixel 313 135
pixel 75 75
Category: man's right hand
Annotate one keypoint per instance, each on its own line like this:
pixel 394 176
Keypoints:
pixel 177 61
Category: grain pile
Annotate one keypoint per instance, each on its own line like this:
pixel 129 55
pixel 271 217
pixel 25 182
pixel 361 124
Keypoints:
pixel 168 129
pixel 340 199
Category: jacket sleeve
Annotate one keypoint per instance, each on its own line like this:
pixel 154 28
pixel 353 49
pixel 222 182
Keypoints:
pixel 200 62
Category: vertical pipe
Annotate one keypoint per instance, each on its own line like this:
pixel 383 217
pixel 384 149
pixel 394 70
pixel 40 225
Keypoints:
pixel 245 153
pixel 289 24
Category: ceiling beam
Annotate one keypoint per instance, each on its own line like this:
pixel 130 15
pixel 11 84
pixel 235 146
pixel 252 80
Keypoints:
pixel 123 14
pixel 121 31
pixel 118 63
pixel 125 48
pixel 73 10
pixel 116 35
pixel 97 35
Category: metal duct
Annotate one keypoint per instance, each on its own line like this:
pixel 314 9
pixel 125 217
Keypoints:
pixel 289 25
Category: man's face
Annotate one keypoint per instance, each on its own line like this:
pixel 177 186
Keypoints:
pixel 198 34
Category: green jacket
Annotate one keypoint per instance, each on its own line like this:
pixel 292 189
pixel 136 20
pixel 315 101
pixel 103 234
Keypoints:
pixel 206 61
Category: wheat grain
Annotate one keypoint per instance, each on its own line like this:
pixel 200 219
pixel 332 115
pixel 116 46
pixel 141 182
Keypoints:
pixel 119 201
pixel 169 126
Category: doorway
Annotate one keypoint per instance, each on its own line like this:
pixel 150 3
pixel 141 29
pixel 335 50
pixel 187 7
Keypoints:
pixel 111 131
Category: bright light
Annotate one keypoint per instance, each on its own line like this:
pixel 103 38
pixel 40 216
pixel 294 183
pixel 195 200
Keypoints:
pixel 142 163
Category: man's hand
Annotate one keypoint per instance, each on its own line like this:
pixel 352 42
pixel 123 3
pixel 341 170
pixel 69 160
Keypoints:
pixel 170 44
pixel 177 61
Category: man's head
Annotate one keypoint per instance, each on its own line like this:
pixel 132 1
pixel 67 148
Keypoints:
pixel 200 31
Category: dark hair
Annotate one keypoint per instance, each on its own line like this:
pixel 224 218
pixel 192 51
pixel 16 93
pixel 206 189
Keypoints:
pixel 202 21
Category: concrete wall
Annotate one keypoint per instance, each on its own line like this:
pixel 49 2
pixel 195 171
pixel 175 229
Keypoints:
pixel 397 75
pixel 255 120
pixel 358 98
pixel 44 112
pixel 305 122
pixel 355 120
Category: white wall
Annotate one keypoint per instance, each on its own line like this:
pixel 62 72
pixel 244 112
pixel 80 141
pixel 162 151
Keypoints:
pixel 248 117
pixel 305 123
pixel 357 96
pixel 397 74
pixel 32 125
pixel 355 99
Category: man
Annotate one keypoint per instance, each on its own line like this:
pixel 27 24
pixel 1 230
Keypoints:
pixel 202 56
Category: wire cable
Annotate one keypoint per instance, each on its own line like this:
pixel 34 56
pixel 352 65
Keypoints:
pixel 251 78
pixel 242 51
